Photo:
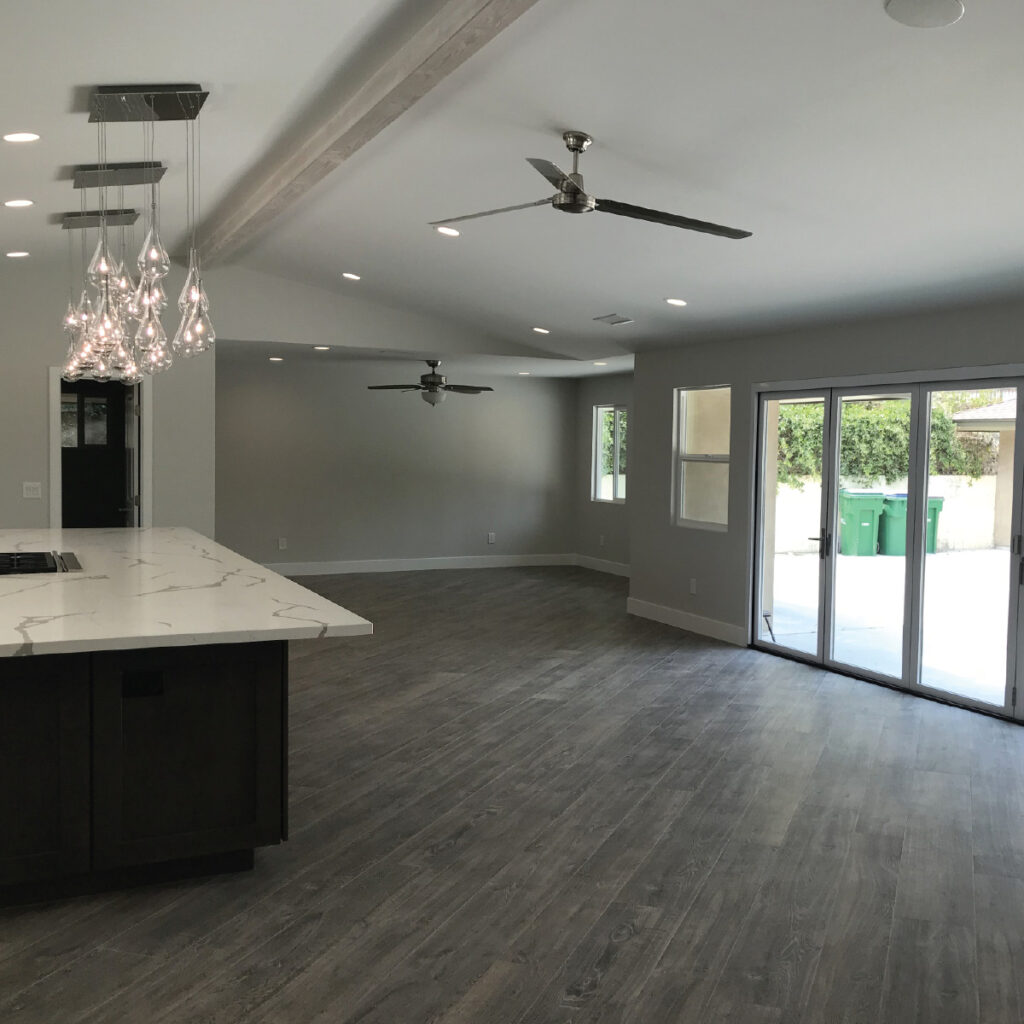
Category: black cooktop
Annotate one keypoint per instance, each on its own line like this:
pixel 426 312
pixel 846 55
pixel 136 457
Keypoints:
pixel 12 562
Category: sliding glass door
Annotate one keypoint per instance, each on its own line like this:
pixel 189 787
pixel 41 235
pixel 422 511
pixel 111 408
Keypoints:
pixel 888 535
pixel 793 510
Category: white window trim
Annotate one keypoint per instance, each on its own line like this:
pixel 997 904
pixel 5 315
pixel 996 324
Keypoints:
pixel 680 459
pixel 595 455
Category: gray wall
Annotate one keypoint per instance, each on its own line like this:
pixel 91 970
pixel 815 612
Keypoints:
pixel 596 519
pixel 33 297
pixel 663 556
pixel 304 451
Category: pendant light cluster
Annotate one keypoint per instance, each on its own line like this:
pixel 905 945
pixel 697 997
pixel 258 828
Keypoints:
pixel 115 330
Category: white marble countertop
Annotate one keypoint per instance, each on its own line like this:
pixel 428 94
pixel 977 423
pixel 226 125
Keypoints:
pixel 162 587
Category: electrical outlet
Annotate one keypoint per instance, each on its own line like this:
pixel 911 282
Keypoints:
pixel 282 543
pixel 31 489
pixel 490 538
pixel 693 584
pixel 600 541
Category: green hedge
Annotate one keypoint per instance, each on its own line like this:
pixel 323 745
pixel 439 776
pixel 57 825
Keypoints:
pixel 873 443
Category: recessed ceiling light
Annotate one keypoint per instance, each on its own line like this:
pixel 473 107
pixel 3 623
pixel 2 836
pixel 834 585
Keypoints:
pixel 14 203
pixel 321 348
pixel 600 364
pixel 541 330
pixel 276 359
pixel 21 137
pixel 16 255
pixel 524 373
pixel 676 302
pixel 450 232
pixel 352 277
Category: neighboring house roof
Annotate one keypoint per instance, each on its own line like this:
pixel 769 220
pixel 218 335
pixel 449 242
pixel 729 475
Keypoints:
pixel 1001 416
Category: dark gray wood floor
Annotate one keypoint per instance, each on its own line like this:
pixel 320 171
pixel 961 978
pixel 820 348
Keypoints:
pixel 517 804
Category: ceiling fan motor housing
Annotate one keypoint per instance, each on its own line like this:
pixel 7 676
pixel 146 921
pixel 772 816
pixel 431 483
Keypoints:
pixel 571 200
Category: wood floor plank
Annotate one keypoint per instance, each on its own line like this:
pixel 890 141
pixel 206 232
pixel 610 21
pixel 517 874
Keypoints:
pixel 931 977
pixel 567 814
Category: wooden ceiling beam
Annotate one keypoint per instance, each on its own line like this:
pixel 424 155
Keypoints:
pixel 453 33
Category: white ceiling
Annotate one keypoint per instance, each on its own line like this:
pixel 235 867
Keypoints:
pixel 878 166
pixel 261 63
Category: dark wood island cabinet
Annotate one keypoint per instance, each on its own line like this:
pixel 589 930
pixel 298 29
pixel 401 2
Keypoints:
pixel 153 761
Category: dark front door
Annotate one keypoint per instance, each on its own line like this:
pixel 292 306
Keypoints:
pixel 96 470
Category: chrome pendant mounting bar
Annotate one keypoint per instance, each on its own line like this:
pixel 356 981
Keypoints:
pixel 140 172
pixel 180 102
pixel 94 218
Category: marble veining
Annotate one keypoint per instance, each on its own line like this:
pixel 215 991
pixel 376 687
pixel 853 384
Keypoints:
pixel 161 587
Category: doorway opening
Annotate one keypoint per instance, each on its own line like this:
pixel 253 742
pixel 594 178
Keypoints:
pixel 99 455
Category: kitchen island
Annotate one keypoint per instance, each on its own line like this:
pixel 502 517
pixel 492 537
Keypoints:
pixel 143 708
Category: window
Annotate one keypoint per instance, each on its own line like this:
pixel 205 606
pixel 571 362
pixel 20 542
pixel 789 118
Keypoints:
pixel 702 457
pixel 609 466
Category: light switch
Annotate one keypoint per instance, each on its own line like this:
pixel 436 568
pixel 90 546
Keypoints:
pixel 31 489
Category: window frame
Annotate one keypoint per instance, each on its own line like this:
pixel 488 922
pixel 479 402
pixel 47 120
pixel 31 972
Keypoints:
pixel 595 453
pixel 680 458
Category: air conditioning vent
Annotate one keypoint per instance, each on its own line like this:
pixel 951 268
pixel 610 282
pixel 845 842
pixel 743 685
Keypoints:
pixel 614 319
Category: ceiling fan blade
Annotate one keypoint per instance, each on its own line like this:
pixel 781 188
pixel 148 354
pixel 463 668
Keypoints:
pixel 490 213
pixel 465 389
pixel 551 171
pixel 671 219
pixel 393 387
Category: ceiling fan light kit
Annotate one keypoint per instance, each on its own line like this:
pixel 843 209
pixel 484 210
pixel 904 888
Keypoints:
pixel 925 13
pixel 433 386
pixel 572 197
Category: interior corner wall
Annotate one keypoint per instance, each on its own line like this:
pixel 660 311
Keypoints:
pixel 600 519
pixel 306 452
pixel 664 557
pixel 33 296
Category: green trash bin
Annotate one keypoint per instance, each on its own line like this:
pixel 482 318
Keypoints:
pixel 934 508
pixel 892 530
pixel 859 513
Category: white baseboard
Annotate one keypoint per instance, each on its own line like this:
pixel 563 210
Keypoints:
pixel 454 562
pixel 410 564
pixel 687 620
pixel 602 565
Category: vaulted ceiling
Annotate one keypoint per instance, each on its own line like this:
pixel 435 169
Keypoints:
pixel 877 166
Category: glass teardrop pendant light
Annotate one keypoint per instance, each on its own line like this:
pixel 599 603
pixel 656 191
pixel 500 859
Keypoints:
pixel 151 333
pixel 190 289
pixel 100 264
pixel 153 259
pixel 115 331
pixel 202 330
pixel 156 359
pixel 70 320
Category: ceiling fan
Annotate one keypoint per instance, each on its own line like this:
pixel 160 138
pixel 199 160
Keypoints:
pixel 572 198
pixel 433 386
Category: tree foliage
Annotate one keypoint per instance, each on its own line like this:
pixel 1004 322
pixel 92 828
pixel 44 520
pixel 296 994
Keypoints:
pixel 874 443
pixel 608 440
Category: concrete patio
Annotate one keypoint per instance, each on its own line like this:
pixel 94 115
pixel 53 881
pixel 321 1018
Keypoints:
pixel 965 616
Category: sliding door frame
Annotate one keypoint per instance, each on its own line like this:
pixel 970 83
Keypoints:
pixel 759 507
pixel 920 391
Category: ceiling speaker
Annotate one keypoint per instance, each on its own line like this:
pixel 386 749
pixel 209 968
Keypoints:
pixel 925 13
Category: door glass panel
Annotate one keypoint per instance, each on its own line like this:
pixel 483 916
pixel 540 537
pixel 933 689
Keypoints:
pixel 967 542
pixel 791 488
pixel 69 421
pixel 95 420
pixel 870 565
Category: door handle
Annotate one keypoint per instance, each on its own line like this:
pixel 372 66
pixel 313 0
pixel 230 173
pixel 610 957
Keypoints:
pixel 824 542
